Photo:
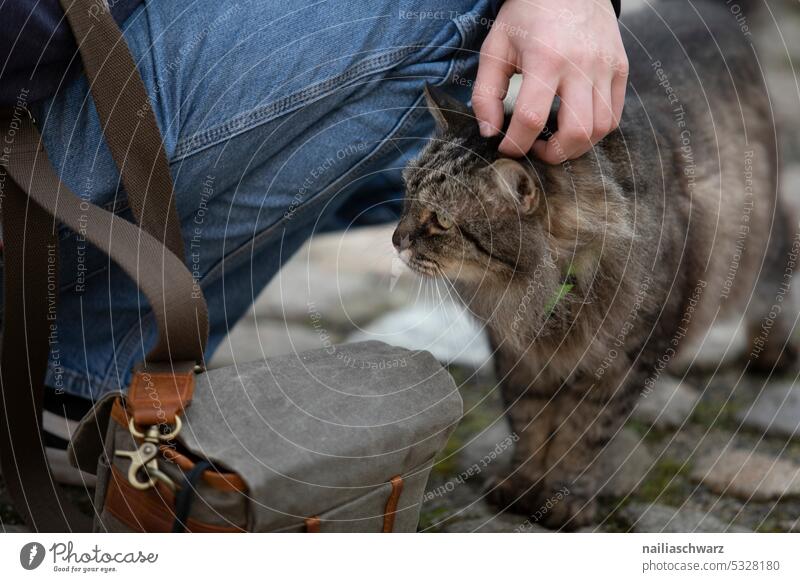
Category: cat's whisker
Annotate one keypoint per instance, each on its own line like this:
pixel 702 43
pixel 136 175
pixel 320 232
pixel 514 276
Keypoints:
pixel 419 289
pixel 439 292
pixel 450 288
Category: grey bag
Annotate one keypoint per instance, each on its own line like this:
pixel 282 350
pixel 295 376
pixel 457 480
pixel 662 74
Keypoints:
pixel 340 439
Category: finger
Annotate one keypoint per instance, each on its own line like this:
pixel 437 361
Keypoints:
pixel 530 113
pixel 575 115
pixel 619 86
pixel 491 83
pixel 603 121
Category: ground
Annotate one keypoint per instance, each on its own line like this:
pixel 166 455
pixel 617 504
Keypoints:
pixel 706 451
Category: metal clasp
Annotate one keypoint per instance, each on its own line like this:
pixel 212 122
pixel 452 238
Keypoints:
pixel 145 458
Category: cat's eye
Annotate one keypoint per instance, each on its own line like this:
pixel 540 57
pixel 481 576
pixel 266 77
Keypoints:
pixel 443 220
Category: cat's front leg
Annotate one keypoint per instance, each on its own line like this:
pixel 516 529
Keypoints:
pixel 531 418
pixel 553 479
pixel 584 426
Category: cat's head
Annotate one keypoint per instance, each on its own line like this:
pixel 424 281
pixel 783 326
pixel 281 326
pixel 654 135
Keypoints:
pixel 467 209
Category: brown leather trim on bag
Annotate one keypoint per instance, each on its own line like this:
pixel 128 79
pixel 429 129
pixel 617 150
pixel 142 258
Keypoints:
pixel 391 504
pixel 157 398
pixel 312 524
pixel 150 510
pixel 225 482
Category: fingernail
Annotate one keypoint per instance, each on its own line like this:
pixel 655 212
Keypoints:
pixel 486 129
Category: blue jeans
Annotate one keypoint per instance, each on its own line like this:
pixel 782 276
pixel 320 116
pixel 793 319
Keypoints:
pixel 280 120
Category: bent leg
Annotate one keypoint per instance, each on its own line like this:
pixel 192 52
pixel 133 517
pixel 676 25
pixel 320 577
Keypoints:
pixel 272 120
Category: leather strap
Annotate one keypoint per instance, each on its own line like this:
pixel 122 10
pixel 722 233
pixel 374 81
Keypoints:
pixel 157 398
pixel 221 481
pixel 390 511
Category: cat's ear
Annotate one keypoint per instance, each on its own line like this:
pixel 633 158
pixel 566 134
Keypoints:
pixel 513 180
pixel 448 111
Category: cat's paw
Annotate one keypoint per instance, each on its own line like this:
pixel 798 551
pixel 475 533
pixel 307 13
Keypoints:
pixel 568 510
pixel 552 504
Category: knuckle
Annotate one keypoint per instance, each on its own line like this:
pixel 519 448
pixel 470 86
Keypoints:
pixel 493 47
pixel 530 119
pixel 480 100
pixel 574 135
pixel 489 92
pixel 551 60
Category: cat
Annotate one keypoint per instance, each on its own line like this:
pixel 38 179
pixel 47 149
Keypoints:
pixel 591 274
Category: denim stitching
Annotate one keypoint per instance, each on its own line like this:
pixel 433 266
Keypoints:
pixel 251 119
pixel 76 383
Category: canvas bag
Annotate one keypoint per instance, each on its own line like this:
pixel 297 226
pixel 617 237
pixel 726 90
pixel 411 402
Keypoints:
pixel 338 439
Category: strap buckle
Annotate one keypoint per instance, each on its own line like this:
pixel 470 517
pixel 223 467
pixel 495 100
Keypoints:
pixel 144 460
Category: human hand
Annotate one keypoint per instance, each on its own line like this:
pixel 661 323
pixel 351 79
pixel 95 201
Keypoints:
pixel 569 48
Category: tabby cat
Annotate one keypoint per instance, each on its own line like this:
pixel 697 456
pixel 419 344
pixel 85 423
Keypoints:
pixel 589 275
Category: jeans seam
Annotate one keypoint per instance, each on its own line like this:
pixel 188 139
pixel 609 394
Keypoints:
pixel 466 27
pixel 75 382
pixel 247 121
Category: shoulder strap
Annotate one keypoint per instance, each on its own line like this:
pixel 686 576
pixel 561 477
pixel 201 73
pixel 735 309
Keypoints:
pixel 176 300
pixel 28 237
pixel 128 121
pixel 35 201
pixel 30 293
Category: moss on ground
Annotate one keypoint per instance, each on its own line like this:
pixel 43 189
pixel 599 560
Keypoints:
pixel 430 516
pixel 716 414
pixel 481 410
pixel 667 483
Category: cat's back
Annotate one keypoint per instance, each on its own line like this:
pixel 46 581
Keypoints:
pixel 692 51
pixel 698 131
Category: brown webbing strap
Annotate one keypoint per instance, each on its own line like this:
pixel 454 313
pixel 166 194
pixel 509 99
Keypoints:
pixel 128 121
pixel 176 300
pixel 30 288
pixel 181 314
